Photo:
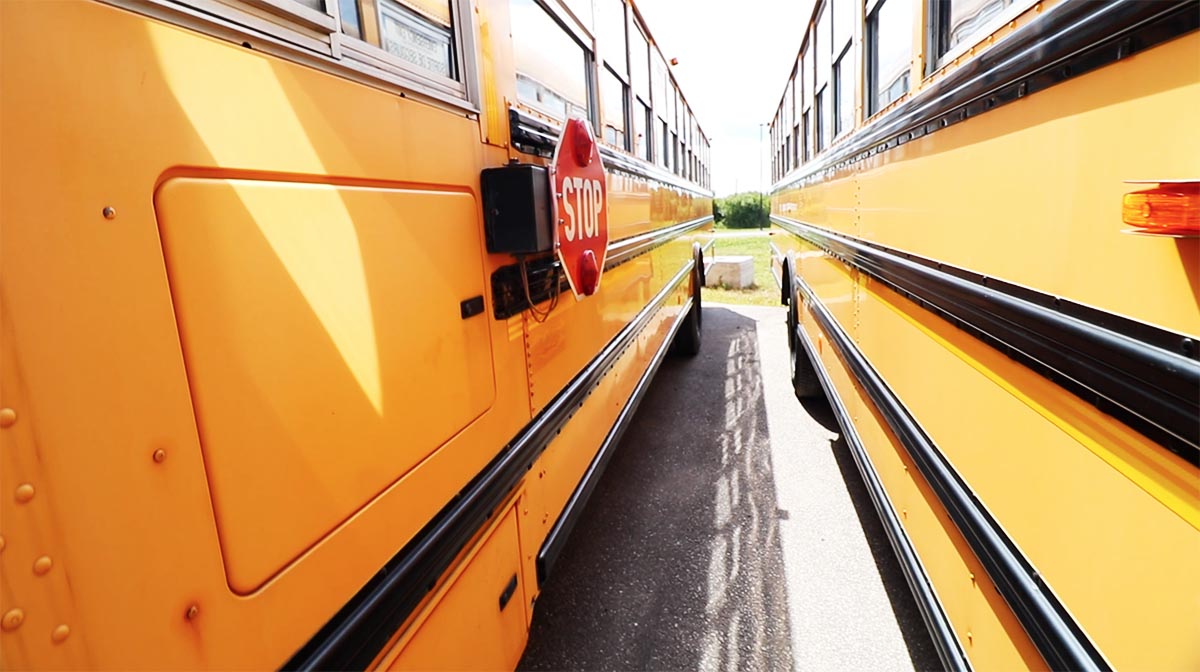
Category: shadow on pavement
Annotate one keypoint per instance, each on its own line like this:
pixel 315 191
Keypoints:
pixel 676 563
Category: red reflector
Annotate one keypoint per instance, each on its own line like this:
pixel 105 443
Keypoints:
pixel 1168 209
pixel 589 273
pixel 582 140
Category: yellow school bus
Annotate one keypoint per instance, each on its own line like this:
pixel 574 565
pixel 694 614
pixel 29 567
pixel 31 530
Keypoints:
pixel 986 225
pixel 291 376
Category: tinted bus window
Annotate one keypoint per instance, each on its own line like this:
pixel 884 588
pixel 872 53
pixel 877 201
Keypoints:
pixel 419 33
pixel 889 46
pixel 610 28
pixel 612 105
pixel 964 18
pixel 551 65
pixel 844 93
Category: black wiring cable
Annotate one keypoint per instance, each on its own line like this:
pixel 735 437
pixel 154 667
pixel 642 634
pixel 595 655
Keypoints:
pixel 539 315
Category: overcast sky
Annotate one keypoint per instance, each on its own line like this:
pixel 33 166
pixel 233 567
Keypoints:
pixel 734 60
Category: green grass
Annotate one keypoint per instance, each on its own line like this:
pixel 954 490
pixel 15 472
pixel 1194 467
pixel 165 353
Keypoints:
pixel 764 292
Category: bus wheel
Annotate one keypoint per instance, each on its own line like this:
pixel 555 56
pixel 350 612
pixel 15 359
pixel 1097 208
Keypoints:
pixel 687 339
pixel 785 285
pixel 804 376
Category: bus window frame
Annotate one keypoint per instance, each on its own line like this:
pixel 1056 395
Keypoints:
pixel 299 13
pixel 558 12
pixel 283 35
pixel 360 50
pixel 935 33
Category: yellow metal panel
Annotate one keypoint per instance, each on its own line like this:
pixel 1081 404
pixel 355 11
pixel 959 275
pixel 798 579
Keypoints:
pixel 832 282
pixel 468 630
pixel 1036 457
pixel 94 328
pixel 1042 205
pixel 986 628
pixel 297 305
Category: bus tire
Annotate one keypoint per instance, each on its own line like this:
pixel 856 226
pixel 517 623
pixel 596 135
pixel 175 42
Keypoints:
pixel 804 374
pixel 785 284
pixel 687 339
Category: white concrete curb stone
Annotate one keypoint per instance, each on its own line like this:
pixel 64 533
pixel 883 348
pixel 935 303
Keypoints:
pixel 733 271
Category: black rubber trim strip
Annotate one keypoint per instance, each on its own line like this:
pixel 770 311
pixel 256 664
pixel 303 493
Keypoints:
pixel 1146 377
pixel 1068 40
pixel 627 248
pixel 948 646
pixel 359 631
pixel 1060 640
pixel 556 540
pixel 534 136
pixel 508 293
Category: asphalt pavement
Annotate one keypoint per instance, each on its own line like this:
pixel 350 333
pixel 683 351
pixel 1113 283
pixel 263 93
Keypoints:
pixel 731 531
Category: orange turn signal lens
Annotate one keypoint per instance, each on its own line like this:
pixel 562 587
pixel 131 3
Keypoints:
pixel 1170 208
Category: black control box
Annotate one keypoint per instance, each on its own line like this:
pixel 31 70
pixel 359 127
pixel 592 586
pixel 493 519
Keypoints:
pixel 517 209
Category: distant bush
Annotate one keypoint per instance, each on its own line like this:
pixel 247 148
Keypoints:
pixel 747 210
pixel 717 214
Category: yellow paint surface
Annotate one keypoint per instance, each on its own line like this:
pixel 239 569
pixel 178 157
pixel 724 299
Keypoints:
pixel 1030 193
pixel 266 310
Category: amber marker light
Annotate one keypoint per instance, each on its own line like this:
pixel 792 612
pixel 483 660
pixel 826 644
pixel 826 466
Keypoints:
pixel 1169 209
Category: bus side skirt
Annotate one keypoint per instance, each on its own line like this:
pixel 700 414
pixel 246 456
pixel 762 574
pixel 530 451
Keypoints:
pixel 948 647
pixel 1061 641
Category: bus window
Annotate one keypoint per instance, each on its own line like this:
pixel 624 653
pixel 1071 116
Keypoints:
pixel 610 28
pixel 821 49
pixel 351 18
pixel 419 32
pixel 963 18
pixel 889 52
pixel 641 130
pixel 639 62
pixel 612 105
pixel 582 9
pixel 843 67
pixel 796 146
pixel 551 65
pixel 843 92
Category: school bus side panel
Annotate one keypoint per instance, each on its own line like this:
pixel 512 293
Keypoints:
pixel 89 313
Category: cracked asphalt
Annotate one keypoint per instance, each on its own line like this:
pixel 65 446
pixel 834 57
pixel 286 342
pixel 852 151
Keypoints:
pixel 731 531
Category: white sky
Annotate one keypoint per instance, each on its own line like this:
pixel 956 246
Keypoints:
pixel 734 60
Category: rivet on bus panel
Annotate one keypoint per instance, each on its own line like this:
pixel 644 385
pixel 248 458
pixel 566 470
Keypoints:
pixel 8 417
pixel 972 578
pixel 2 544
pixel 192 612
pixel 970 638
pixel 24 493
pixel 109 212
pixel 904 513
pixel 60 634
pixel 42 565
pixel 159 455
pixel 12 620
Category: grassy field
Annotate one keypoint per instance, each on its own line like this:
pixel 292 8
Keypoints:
pixel 764 292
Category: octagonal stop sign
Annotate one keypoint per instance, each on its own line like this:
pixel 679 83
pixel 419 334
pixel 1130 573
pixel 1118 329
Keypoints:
pixel 581 201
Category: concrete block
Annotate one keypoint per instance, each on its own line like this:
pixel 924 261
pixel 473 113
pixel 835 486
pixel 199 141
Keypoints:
pixel 733 271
